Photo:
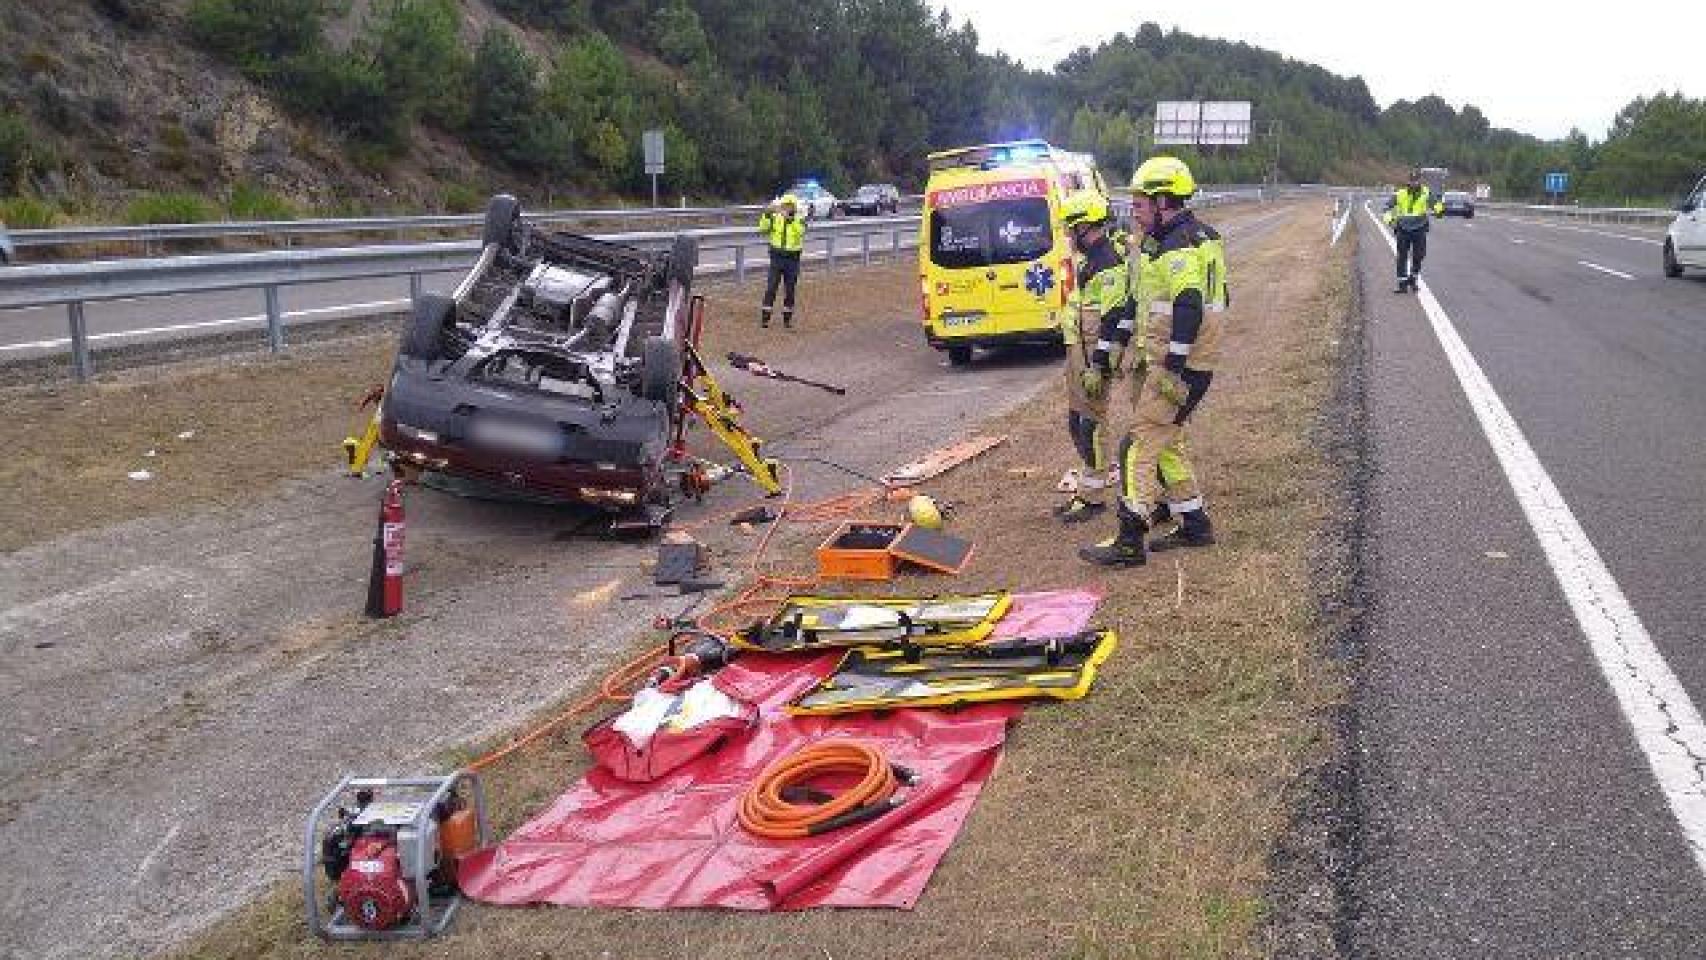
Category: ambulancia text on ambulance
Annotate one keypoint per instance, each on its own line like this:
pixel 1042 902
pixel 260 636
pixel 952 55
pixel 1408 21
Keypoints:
pixel 995 263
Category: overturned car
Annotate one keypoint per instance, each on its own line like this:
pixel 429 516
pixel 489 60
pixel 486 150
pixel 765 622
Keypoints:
pixel 553 370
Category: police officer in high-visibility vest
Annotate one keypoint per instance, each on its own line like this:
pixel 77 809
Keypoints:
pixel 1178 274
pixel 784 227
pixel 1100 291
pixel 1407 213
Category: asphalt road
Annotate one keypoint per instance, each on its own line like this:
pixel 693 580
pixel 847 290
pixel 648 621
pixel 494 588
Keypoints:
pixel 43 331
pixel 1529 771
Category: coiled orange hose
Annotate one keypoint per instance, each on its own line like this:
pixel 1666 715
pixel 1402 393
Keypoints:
pixel 764 812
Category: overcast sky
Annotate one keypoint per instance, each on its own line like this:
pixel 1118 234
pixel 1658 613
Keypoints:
pixel 1536 68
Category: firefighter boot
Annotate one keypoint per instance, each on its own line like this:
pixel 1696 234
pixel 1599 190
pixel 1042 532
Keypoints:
pixel 788 319
pixel 1126 549
pixel 1194 530
pixel 764 317
pixel 1078 509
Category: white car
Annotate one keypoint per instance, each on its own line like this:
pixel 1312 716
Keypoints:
pixel 817 203
pixel 1685 241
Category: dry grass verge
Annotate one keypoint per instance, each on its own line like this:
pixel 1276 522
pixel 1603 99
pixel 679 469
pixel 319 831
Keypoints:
pixel 1136 823
pixel 256 421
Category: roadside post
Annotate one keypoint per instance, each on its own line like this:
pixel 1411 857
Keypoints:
pixel 651 143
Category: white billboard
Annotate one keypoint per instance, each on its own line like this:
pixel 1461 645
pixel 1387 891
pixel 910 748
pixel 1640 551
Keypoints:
pixel 1200 122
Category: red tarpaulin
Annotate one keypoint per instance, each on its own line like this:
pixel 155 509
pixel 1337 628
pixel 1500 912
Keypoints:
pixel 676 842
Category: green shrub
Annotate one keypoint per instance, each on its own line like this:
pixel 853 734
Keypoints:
pixel 260 35
pixel 27 213
pixel 346 92
pixel 504 116
pixel 461 198
pixel 18 151
pixel 169 208
pixel 252 202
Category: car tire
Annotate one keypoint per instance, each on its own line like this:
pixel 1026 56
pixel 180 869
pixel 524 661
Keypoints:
pixel 1673 267
pixel 503 212
pixel 1469 216
pixel 683 260
pixel 423 338
pixel 959 355
pixel 660 371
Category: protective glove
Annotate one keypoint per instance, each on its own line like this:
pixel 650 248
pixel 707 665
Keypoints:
pixel 1094 380
pixel 1173 362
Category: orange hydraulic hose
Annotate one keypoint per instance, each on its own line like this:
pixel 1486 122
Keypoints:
pixel 765 812
pixel 617 687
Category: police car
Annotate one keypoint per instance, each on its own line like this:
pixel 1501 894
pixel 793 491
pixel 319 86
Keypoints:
pixel 815 202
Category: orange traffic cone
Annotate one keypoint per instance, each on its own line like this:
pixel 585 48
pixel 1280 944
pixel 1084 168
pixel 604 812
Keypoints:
pixel 385 580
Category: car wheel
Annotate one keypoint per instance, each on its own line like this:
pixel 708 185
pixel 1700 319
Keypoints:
pixel 1469 216
pixel 1673 268
pixel 423 338
pixel 502 213
pixel 660 371
pixel 683 260
pixel 959 355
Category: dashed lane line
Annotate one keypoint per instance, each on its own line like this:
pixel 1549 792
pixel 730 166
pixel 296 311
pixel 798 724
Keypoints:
pixel 1616 273
pixel 1666 726
pixel 1597 233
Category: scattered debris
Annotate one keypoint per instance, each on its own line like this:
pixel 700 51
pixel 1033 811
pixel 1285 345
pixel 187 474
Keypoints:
pixel 140 475
pixel 680 558
pixel 938 462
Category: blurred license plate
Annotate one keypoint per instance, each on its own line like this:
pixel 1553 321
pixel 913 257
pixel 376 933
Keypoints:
pixel 961 319
pixel 511 436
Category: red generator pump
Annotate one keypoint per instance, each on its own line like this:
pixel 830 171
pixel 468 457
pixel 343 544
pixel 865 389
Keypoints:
pixel 381 854
pixel 371 889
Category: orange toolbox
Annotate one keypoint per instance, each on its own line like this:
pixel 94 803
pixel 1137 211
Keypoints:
pixel 859 551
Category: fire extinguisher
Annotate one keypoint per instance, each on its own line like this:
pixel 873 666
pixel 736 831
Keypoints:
pixel 385 582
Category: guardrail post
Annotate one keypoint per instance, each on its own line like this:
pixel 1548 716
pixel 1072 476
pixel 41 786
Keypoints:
pixel 414 289
pixel 740 263
pixel 275 320
pixel 829 250
pixel 895 237
pixel 865 247
pixel 82 364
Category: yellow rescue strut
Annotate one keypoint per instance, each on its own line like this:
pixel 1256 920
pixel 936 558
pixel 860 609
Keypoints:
pixel 705 398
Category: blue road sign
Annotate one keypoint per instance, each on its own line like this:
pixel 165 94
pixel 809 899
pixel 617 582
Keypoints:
pixel 1557 182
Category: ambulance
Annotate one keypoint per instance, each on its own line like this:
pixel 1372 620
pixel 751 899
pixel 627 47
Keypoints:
pixel 994 261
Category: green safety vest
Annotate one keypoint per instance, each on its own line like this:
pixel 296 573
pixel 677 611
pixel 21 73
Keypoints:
pixel 1410 208
pixel 786 234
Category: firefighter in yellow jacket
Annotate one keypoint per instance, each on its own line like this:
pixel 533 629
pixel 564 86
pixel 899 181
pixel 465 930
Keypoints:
pixel 783 225
pixel 1178 276
pixel 1100 291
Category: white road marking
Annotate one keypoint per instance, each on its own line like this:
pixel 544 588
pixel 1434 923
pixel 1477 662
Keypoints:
pixel 154 854
pixel 1597 233
pixel 353 308
pixel 1518 240
pixel 957 392
pixel 1616 273
pixel 1664 721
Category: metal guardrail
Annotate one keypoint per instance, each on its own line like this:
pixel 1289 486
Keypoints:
pixel 75 284
pixel 284 229
pixel 149 233
pixel 1647 216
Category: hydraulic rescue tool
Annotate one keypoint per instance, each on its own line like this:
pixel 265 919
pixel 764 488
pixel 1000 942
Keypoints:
pixel 702 396
pixel 759 368
pixel 379 855
pixel 359 449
